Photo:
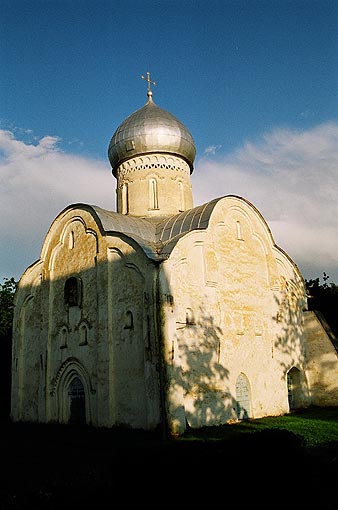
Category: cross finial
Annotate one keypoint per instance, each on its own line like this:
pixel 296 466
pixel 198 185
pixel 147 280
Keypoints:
pixel 149 82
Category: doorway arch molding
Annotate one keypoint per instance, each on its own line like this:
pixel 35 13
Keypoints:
pixel 70 370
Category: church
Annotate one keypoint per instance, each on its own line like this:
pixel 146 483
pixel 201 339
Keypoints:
pixel 163 314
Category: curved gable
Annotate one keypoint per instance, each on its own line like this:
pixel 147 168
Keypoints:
pixel 158 237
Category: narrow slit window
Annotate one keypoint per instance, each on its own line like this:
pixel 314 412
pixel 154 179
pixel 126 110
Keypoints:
pixel 189 317
pixel 128 320
pixel 63 338
pixel 125 199
pixel 71 240
pixel 153 194
pixel 239 231
pixel 181 195
pixel 83 335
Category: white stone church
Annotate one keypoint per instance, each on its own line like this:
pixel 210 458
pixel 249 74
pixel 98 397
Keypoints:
pixel 162 313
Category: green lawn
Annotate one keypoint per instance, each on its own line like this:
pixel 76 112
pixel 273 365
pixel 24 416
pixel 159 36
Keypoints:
pixel 316 426
pixel 59 466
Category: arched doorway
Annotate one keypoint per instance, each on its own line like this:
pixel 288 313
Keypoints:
pixel 294 388
pixel 73 389
pixel 243 397
pixel 77 401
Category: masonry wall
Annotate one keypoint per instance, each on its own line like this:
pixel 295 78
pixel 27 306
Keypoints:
pixel 234 323
pixel 321 360
pixel 105 338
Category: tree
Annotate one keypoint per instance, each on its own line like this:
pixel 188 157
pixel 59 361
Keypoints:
pixel 7 291
pixel 323 296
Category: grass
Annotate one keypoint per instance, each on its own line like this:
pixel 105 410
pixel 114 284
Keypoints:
pixel 60 466
pixel 315 426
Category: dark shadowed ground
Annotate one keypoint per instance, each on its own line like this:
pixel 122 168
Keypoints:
pixel 58 467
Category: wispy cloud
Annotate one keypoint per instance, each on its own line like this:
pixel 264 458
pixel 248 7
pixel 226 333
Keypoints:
pixel 211 150
pixel 292 178
pixel 306 114
pixel 36 183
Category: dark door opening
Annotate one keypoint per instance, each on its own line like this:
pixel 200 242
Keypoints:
pixel 77 402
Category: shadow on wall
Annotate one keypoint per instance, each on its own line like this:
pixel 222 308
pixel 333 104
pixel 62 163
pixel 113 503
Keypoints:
pixel 198 376
pixel 87 349
pixel 307 362
pixel 289 317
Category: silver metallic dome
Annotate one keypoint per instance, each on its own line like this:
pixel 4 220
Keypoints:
pixel 150 129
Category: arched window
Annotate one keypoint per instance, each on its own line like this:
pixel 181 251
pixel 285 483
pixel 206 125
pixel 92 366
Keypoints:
pixel 83 335
pixel 128 320
pixel 181 195
pixel 71 240
pixel 243 397
pixel 239 231
pixel 72 291
pixel 189 317
pixel 125 199
pixel 63 338
pixel 153 195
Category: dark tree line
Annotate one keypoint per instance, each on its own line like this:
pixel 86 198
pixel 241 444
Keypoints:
pixel 7 291
pixel 323 296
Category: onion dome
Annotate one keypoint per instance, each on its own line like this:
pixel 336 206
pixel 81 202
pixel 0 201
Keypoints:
pixel 150 130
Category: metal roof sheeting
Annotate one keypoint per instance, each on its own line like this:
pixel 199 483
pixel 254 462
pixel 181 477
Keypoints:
pixel 156 237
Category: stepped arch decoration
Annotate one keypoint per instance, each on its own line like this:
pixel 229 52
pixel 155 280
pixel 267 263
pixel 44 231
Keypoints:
pixel 71 371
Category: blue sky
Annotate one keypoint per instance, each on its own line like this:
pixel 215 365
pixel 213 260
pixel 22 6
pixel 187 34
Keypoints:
pixel 256 83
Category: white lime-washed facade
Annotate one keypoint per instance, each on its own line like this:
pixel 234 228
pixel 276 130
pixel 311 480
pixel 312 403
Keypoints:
pixel 162 313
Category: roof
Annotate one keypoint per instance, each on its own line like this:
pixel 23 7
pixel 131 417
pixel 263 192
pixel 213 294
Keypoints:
pixel 157 237
pixel 150 129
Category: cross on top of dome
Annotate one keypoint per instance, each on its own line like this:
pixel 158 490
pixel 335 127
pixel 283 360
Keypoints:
pixel 150 130
pixel 149 93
